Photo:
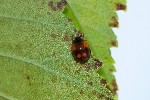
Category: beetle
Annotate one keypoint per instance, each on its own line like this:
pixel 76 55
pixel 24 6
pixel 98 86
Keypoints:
pixel 80 49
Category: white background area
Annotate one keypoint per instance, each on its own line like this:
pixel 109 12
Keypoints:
pixel 133 54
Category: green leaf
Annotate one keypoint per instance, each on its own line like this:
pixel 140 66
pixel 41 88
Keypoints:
pixel 95 18
pixel 35 55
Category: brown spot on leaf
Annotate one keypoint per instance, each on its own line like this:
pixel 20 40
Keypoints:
pixel 107 98
pixel 115 87
pixel 64 2
pixel 114 22
pixel 90 83
pixel 53 80
pixel 61 4
pixel 75 30
pixel 66 37
pixel 81 92
pixel 67 84
pixel 103 82
pixel 100 96
pixel 54 35
pixel 87 67
pixel 108 87
pixel 69 20
pixel 114 43
pixel 97 63
pixel 57 6
pixel 120 6
pixel 28 77
pixel 114 18
pixel 51 5
pixel 66 68
pixel 77 71
pixel 111 70
pixel 94 92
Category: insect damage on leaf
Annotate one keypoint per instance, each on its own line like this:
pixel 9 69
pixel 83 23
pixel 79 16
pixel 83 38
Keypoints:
pixel 114 43
pixel 81 92
pixel 97 63
pixel 66 37
pixel 59 5
pixel 120 6
pixel 103 82
pixel 88 17
pixel 114 22
pixel 115 86
pixel 36 54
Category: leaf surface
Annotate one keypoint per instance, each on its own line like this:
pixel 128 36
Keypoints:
pixel 35 55
pixel 95 18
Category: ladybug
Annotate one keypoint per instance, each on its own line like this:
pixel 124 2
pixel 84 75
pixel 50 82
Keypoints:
pixel 80 49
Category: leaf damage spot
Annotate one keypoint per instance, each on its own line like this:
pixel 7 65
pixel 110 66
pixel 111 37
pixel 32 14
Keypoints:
pixel 120 6
pixel 81 92
pixel 54 80
pixel 103 82
pixel 59 5
pixel 115 87
pixel 114 43
pixel 94 92
pixel 87 67
pixel 51 5
pixel 111 70
pixel 70 20
pixel 77 71
pixel 107 98
pixel 114 22
pixel 54 35
pixel 65 37
pixel 97 63
pixel 90 83
pixel 28 77
pixel 100 96
pixel 66 68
